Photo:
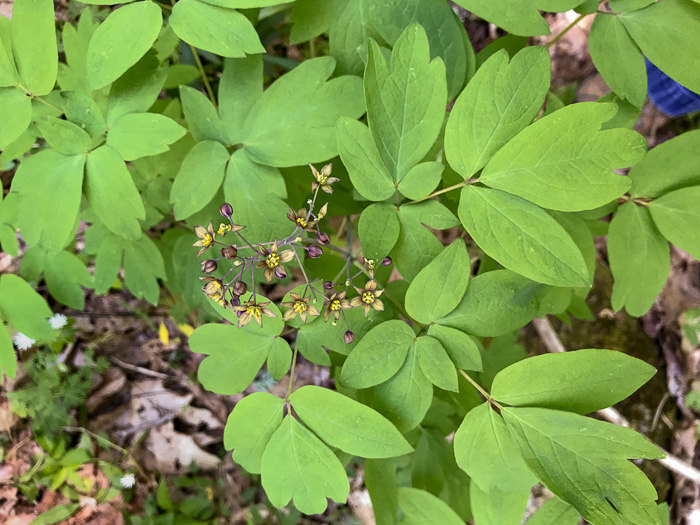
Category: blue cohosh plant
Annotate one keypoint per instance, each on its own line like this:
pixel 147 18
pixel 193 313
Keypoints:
pixel 111 138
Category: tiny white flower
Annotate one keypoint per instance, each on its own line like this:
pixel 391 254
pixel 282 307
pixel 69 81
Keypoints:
pixel 58 321
pixel 128 481
pixel 22 341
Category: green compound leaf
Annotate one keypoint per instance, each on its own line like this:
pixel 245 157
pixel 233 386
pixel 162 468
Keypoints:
pixel 310 19
pixel 522 237
pixel 497 507
pixel 360 156
pixel 639 259
pixel 347 424
pixel 143 265
pixel 554 512
pixel 239 90
pixel 65 274
pixel 202 118
pixel 405 100
pixel 297 465
pixel 378 356
pixel 564 162
pixel 235 356
pixel 379 230
pixel 669 166
pixel 214 28
pixel 661 29
pixel 618 59
pixel 461 348
pixel 677 217
pixel 496 303
pixel 249 427
pixel 420 507
pixel 435 363
pixel 501 100
pixel 585 462
pixel 199 179
pixel 484 450
pixel 107 182
pixel 417 246
pixel 8 73
pixel 122 39
pixel 50 182
pixel 293 123
pixel 582 381
pixel 34 44
pixel 439 287
pixel 405 397
pixel 24 309
pixel 421 180
pixel 8 361
pixel 16 109
pixel 65 137
pixel 139 135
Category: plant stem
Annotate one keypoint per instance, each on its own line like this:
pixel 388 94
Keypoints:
pixel 203 74
pixel 566 30
pixel 291 373
pixel 440 192
pixel 303 272
pixel 476 385
pixel 35 97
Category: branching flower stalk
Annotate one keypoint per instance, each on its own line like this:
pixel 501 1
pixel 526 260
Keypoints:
pixel 270 257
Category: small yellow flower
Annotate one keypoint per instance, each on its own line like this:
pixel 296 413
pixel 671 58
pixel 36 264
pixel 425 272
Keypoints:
pixel 323 178
pixel 272 261
pixel 368 298
pixel 223 228
pixel 252 310
pixel 206 237
pixel 334 304
pixel 299 218
pixel 299 306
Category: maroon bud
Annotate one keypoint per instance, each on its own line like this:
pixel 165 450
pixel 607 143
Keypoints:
pixel 239 288
pixel 327 285
pixel 323 238
pixel 315 251
pixel 235 301
pixel 208 266
pixel 226 210
pixel 229 252
pixel 280 272
pixel 387 261
pixel 349 337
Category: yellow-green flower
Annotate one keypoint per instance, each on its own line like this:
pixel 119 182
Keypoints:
pixel 252 310
pixel 369 265
pixel 272 261
pixel 223 228
pixel 323 178
pixel 334 304
pixel 206 237
pixel 368 297
pixel 299 306
pixel 299 218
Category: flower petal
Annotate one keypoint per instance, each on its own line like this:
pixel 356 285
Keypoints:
pixel 289 314
pixel 244 319
pixel 313 310
pixel 286 256
pixel 355 302
pixel 378 305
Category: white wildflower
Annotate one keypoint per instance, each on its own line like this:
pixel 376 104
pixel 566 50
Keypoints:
pixel 128 481
pixel 22 341
pixel 58 321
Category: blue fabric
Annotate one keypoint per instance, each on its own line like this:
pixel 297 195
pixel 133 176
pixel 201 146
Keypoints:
pixel 668 95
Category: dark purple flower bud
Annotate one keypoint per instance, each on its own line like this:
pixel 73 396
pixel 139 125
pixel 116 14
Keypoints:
pixel 239 288
pixel 235 301
pixel 323 238
pixel 387 261
pixel 280 272
pixel 229 252
pixel 349 337
pixel 226 210
pixel 208 266
pixel 315 251
pixel 327 285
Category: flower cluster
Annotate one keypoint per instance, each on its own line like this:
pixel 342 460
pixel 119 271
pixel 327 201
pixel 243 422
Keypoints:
pixel 244 258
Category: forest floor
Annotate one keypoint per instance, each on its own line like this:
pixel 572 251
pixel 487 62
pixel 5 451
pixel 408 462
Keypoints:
pixel 164 424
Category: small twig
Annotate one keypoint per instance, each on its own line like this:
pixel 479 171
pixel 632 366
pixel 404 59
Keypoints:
pixel 551 341
pixel 565 30
pixel 140 370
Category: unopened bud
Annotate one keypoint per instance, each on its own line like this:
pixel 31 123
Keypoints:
pixel 280 272
pixel 239 288
pixel 229 252
pixel 226 210
pixel 327 285
pixel 323 238
pixel 387 261
pixel 322 212
pixel 235 301
pixel 208 266
pixel 315 251
pixel 349 337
